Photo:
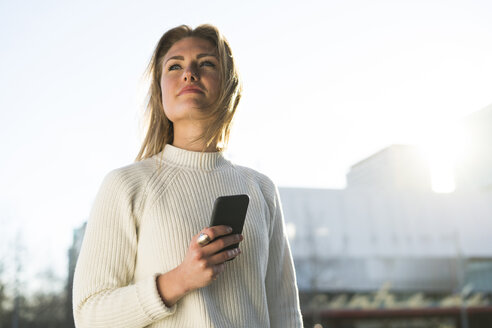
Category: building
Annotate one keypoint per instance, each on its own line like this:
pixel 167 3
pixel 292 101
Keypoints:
pixel 397 167
pixel 388 226
pixel 358 239
pixel 388 249
pixel 474 171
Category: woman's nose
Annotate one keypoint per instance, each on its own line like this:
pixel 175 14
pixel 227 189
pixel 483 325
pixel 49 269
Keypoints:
pixel 191 74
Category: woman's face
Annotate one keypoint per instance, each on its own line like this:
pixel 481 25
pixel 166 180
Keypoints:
pixel 190 79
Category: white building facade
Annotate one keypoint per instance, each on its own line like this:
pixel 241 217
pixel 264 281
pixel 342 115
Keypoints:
pixel 361 238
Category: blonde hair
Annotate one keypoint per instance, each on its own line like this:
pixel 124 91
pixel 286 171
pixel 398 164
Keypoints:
pixel 160 128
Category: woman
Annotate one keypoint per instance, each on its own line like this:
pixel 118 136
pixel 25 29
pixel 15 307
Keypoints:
pixel 146 258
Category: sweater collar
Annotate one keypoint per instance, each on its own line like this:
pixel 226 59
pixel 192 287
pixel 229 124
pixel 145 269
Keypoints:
pixel 192 159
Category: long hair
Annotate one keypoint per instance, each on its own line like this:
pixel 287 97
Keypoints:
pixel 160 128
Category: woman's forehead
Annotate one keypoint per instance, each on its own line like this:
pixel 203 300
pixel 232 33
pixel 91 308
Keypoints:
pixel 191 45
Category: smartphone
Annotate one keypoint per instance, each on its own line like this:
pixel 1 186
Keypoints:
pixel 230 211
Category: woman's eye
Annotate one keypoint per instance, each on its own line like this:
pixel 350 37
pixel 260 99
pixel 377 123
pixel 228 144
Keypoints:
pixel 174 67
pixel 207 63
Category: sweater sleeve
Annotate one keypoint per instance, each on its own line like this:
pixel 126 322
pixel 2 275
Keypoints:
pixel 103 292
pixel 280 281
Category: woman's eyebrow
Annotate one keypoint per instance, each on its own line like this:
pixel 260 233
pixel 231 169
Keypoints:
pixel 175 57
pixel 206 55
pixel 198 57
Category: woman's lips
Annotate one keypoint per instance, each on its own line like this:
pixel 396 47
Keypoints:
pixel 190 90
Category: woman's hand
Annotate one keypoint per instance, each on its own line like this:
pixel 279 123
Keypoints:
pixel 201 265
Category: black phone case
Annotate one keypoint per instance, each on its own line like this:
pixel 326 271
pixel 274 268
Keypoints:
pixel 230 211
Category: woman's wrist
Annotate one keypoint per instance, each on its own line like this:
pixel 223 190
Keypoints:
pixel 170 287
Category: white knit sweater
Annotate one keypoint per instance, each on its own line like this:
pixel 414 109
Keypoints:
pixel 141 224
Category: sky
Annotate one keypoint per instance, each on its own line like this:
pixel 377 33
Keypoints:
pixel 326 84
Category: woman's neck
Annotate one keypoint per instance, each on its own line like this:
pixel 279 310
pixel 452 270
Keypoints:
pixel 193 146
pixel 185 137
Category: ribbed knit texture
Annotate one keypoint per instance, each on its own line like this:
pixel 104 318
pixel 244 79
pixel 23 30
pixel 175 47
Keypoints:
pixel 141 224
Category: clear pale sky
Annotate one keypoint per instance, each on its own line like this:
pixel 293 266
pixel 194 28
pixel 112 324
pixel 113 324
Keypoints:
pixel 326 84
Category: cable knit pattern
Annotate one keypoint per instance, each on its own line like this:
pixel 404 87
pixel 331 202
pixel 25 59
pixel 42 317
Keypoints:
pixel 141 223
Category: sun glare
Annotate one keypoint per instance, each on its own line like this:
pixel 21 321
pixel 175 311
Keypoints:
pixel 443 148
